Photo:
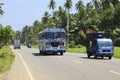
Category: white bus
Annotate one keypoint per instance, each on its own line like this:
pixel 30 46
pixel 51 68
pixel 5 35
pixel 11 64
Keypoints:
pixel 52 40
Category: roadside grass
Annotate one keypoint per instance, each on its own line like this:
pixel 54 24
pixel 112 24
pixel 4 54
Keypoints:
pixel 83 50
pixel 77 50
pixel 117 52
pixel 34 46
pixel 6 58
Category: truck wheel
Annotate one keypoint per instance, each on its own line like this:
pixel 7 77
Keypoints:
pixel 95 56
pixel 102 57
pixel 61 53
pixel 88 55
pixel 110 57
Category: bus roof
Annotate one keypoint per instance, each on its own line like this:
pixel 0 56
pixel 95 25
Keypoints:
pixel 54 30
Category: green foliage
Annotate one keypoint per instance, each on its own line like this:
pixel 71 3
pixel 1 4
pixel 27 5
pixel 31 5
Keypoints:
pixel 117 52
pixel 6 58
pixel 97 15
pixel 52 4
pixel 72 44
pixel 117 42
pixel 1 11
pixel 68 4
pixel 6 34
pixel 77 50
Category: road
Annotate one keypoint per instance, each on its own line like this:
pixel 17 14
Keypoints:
pixel 67 67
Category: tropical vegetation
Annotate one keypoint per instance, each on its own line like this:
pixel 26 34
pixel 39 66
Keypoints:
pixel 6 58
pixel 97 15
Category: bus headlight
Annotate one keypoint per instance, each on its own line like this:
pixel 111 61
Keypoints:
pixel 61 46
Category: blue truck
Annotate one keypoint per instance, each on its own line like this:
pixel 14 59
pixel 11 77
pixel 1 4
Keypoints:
pixel 98 44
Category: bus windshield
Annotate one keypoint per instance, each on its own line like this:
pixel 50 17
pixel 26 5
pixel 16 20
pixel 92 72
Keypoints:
pixel 52 35
pixel 49 35
pixel 59 35
pixel 105 43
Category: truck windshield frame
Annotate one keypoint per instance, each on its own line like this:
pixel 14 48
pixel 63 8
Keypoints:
pixel 106 43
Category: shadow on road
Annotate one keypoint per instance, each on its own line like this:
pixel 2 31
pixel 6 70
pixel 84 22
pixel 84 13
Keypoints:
pixel 92 58
pixel 50 54
pixel 36 54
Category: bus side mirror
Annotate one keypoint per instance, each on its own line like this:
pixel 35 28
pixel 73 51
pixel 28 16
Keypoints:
pixel 66 36
pixel 42 36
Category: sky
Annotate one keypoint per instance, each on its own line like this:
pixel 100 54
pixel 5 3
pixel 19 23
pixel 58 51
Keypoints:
pixel 18 13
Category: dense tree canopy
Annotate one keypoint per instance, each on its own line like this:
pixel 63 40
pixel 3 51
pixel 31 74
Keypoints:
pixel 97 15
pixel 6 34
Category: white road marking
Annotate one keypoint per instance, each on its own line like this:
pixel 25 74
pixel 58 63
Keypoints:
pixel 114 72
pixel 76 61
pixel 29 73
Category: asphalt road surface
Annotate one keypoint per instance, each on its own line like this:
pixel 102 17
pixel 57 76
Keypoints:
pixel 67 67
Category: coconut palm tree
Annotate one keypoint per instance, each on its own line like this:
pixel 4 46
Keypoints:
pixel 1 11
pixel 68 6
pixel 52 5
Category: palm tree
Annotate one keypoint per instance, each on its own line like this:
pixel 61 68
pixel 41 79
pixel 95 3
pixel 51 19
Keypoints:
pixel 45 18
pixel 1 11
pixel 80 6
pixel 68 6
pixel 36 27
pixel 17 35
pixel 52 5
pixel 115 2
pixel 26 34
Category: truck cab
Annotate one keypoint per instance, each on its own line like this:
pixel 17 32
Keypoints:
pixel 99 45
pixel 17 44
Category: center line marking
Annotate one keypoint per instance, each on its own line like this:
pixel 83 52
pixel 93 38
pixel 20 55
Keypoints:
pixel 114 72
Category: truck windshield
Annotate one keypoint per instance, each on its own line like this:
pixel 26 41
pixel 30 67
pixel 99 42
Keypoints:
pixel 52 35
pixel 105 43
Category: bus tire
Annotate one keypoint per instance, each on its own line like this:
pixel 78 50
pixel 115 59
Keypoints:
pixel 95 56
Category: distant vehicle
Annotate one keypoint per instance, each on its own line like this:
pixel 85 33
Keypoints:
pixel 52 40
pixel 17 44
pixel 99 44
pixel 29 45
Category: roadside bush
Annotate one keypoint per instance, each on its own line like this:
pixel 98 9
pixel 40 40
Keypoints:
pixel 6 58
pixel 79 46
pixel 117 42
pixel 72 44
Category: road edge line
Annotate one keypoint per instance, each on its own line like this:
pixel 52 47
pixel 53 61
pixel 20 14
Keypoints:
pixel 29 73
